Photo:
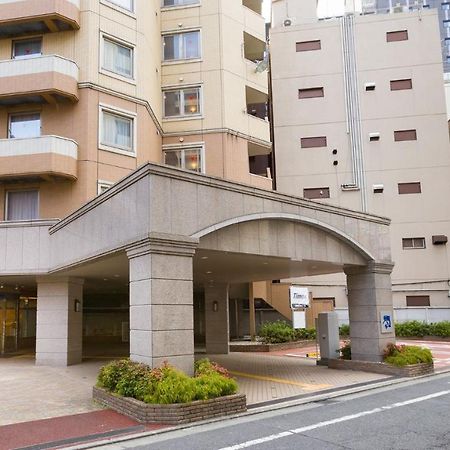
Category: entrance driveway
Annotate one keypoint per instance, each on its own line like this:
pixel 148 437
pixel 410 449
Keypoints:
pixel 29 392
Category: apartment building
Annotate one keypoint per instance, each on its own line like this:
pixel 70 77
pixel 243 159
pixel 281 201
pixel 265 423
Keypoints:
pixel 360 122
pixel 90 90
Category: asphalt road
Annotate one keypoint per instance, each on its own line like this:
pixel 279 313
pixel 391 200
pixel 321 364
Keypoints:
pixel 415 415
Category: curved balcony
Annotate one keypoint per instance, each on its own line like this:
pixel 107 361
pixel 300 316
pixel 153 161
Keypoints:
pixel 21 17
pixel 41 79
pixel 40 157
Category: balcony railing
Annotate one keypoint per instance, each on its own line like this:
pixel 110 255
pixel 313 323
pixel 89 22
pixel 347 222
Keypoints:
pixel 21 17
pixel 38 157
pixel 41 79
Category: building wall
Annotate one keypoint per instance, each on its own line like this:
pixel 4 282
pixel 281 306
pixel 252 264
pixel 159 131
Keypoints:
pixel 224 129
pixel 385 162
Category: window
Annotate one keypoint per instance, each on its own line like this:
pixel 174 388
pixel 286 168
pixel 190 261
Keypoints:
pixel 399 85
pixel 395 36
pixel 26 48
pixel 310 142
pixel 125 4
pixel 405 135
pixel 409 243
pixel 189 158
pixel 182 102
pixel 417 300
pixel 117 58
pixel 26 125
pixel 22 205
pixel 316 193
pixel 181 46
pixel 167 3
pixel 446 23
pixel 311 92
pixel 117 131
pixel 409 188
pixel 307 46
pixel 103 186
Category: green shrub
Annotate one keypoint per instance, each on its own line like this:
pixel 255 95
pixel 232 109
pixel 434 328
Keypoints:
pixel 441 329
pixel 344 330
pixel 346 350
pixel 166 385
pixel 276 332
pixel 413 328
pixel 305 334
pixel 403 355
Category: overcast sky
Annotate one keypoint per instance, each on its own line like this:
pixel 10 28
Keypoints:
pixel 326 8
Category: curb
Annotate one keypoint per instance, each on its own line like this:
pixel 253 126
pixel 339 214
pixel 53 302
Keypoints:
pixel 284 403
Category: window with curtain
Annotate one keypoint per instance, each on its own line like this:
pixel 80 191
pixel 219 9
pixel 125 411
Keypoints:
pixel 117 58
pixel 168 3
pixel 181 46
pixel 24 125
pixel 22 205
pixel 182 102
pixel 27 48
pixel 184 158
pixel 125 4
pixel 117 131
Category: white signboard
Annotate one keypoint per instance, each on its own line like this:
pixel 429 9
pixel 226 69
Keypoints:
pixel 387 322
pixel 299 297
pixel 298 319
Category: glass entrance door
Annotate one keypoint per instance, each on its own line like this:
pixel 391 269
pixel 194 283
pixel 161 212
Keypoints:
pixel 8 325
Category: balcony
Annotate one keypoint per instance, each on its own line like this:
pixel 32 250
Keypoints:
pixel 255 61
pixel 40 157
pixel 41 79
pixel 21 17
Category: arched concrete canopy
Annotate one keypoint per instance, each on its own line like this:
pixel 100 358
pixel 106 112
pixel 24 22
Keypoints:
pixel 325 227
pixel 161 217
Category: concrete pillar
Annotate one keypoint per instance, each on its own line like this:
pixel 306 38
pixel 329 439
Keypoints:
pixel 251 312
pixel 161 301
pixel 216 319
pixel 369 295
pixel 59 328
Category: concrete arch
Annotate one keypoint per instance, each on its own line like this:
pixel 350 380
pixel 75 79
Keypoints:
pixel 292 218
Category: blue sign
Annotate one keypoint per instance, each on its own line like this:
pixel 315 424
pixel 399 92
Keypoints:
pixel 387 323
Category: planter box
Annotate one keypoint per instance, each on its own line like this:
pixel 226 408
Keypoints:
pixel 260 347
pixel 176 414
pixel 414 370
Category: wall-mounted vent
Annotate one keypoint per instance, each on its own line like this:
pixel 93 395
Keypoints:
pixel 374 137
pixel 378 188
pixel 369 86
pixel 439 239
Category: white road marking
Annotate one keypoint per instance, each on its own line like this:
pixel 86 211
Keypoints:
pixel 274 437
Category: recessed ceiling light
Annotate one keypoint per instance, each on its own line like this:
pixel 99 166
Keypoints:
pixel 208 272
pixel 204 257
pixel 266 263
pixel 105 279
pixel 116 276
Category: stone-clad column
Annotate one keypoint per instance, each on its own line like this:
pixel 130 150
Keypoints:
pixel 59 328
pixel 369 295
pixel 161 301
pixel 217 325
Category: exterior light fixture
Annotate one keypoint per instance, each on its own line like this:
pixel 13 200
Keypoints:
pixel 77 305
pixel 215 306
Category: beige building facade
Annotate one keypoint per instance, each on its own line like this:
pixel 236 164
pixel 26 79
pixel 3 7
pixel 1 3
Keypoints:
pixel 91 90
pixel 360 121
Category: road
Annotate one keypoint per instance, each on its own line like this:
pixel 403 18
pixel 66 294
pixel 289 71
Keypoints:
pixel 413 415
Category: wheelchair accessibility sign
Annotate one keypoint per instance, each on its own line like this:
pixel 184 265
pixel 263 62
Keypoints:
pixel 387 322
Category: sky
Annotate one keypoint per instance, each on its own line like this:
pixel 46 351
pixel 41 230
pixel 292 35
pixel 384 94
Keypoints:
pixel 326 8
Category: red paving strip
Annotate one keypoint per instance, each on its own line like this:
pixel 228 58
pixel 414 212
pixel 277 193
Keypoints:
pixel 51 433
pixel 440 350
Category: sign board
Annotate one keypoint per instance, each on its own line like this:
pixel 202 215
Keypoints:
pixel 387 322
pixel 298 319
pixel 299 297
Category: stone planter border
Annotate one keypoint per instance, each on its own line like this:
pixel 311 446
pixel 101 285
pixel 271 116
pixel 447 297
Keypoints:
pixel 413 370
pixel 260 347
pixel 176 414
